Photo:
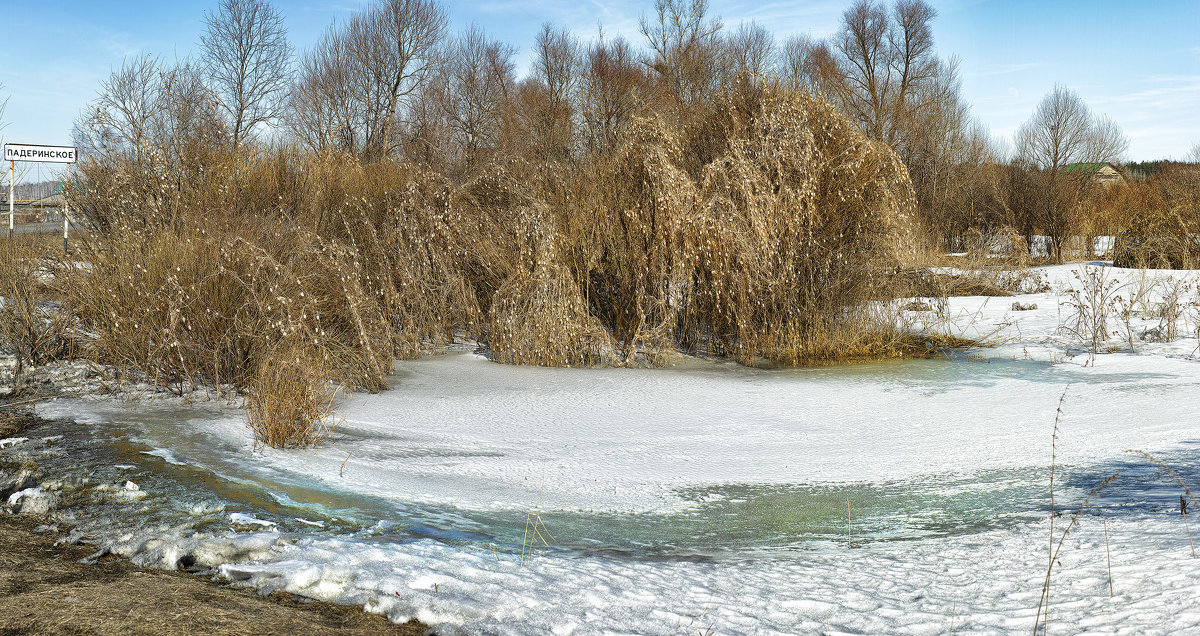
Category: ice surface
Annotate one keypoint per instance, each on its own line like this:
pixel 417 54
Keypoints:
pixel 16 497
pixel 709 495
pixel 12 441
pixel 242 519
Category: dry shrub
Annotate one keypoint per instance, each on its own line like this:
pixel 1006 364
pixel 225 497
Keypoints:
pixel 973 282
pixel 771 249
pixel 1161 222
pixel 154 188
pixel 357 263
pixel 761 227
pixel 538 315
pixel 33 326
pixel 808 215
pixel 206 294
pixel 630 251
pixel 995 263
pixel 203 304
pixel 291 395
pixel 427 249
pixel 1002 246
pixel 1162 239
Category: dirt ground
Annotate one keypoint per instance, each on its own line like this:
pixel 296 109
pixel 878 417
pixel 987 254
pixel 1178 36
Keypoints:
pixel 45 590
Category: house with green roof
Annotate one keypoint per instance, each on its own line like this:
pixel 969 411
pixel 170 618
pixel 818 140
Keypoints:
pixel 1104 173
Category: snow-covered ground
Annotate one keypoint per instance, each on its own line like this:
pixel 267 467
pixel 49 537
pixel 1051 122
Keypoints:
pixel 707 495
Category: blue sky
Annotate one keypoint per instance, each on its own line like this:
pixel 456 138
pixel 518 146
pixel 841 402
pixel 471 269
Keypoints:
pixel 1139 63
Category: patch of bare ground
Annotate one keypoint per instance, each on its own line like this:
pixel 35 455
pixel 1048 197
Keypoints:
pixel 45 590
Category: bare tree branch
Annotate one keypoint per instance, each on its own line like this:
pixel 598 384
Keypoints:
pixel 609 93
pixel 475 82
pixel 556 68
pixel 684 48
pixel 357 86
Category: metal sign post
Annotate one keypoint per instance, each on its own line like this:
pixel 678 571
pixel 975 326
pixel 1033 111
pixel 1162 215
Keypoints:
pixel 12 178
pixel 66 208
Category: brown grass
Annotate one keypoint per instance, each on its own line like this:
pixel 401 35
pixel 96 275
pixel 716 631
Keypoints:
pixel 32 329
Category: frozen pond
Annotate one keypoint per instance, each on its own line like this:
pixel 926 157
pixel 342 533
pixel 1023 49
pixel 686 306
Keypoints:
pixel 703 496
pixel 708 494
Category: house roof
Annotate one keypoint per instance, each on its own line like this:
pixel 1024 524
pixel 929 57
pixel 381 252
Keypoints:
pixel 1087 167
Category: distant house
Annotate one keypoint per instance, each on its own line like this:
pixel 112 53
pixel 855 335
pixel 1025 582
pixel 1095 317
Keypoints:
pixel 1106 174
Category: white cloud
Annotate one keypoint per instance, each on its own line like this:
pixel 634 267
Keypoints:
pixel 1164 93
pixel 1159 114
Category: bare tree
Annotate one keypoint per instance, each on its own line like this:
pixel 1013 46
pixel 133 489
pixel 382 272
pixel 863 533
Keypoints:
pixel 186 123
pixel 145 108
pixel 1108 143
pixel 396 52
pixel 799 63
pixel 119 121
pixel 1193 154
pixel 609 92
pixel 247 59
pixel 1065 144
pixel 881 59
pixel 1058 134
pixel 948 155
pixel 556 69
pixel 357 85
pixel 322 110
pixel 684 48
pixel 475 82
pixel 151 136
pixel 751 49
pixel 426 134
pixel 557 61
pixel 882 71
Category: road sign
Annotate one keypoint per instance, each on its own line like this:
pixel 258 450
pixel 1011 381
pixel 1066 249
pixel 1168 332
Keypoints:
pixel 34 152
pixel 42 154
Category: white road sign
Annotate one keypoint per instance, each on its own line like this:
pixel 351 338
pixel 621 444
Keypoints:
pixel 34 152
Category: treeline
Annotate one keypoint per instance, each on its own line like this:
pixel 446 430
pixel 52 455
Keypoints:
pixel 1156 220
pixel 30 191
pixel 393 84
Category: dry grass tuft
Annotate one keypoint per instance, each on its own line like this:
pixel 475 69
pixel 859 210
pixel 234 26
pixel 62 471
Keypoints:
pixel 290 397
